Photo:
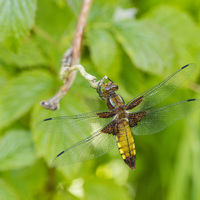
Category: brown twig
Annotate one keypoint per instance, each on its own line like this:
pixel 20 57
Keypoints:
pixel 91 79
pixel 71 57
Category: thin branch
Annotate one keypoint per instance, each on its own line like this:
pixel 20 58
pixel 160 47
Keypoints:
pixel 92 79
pixel 71 57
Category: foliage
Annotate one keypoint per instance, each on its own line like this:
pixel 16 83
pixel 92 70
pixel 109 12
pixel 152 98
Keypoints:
pixel 137 53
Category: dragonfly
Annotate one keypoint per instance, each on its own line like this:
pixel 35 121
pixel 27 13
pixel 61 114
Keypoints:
pixel 115 126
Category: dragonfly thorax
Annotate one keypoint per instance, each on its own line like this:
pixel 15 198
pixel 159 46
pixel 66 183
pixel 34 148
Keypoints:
pixel 115 101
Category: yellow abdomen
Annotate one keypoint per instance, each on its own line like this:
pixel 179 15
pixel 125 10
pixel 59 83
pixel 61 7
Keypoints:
pixel 126 143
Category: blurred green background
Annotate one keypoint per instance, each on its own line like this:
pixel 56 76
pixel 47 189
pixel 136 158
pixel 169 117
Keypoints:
pixel 137 52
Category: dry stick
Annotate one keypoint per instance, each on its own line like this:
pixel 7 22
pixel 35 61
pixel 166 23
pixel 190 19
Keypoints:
pixel 71 57
pixel 92 79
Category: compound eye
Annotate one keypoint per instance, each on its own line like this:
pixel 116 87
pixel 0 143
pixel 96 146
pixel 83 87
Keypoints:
pixel 107 88
pixel 115 87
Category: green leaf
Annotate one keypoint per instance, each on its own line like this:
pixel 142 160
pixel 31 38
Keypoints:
pixel 104 52
pixel 53 38
pixel 7 192
pixel 21 93
pixel 16 150
pixel 16 19
pixel 62 17
pixel 101 12
pixel 178 189
pixel 187 163
pixel 94 188
pixel 193 127
pixel 148 47
pixel 75 5
pixel 4 76
pixel 183 32
pixel 29 55
pixel 30 182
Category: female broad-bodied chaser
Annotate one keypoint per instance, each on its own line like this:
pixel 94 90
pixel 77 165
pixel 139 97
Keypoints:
pixel 121 120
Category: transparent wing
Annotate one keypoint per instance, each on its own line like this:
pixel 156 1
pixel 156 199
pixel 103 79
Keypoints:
pixel 158 119
pixel 73 128
pixel 91 147
pixel 158 93
pixel 58 133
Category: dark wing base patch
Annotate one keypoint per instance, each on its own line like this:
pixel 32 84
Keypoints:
pixel 110 128
pixel 134 118
pixel 134 103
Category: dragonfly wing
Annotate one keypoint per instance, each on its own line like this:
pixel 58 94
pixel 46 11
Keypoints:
pixel 158 93
pixel 91 147
pixel 73 128
pixel 58 133
pixel 158 119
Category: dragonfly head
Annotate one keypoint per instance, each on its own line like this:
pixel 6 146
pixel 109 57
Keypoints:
pixel 109 87
pixel 106 89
